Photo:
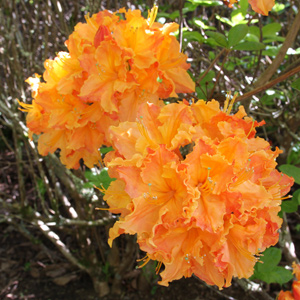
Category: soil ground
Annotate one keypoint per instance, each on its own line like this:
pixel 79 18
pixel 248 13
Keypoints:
pixel 28 272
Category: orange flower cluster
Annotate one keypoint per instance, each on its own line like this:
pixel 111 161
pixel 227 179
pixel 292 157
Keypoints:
pixel 260 6
pixel 113 65
pixel 295 294
pixel 198 188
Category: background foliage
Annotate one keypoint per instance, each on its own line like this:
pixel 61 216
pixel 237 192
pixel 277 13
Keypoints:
pixel 232 50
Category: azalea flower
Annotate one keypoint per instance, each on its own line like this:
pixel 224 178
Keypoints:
pixel 260 6
pixel 197 187
pixel 295 294
pixel 111 67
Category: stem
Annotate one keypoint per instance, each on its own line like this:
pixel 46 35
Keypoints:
pixel 286 243
pixel 211 65
pixel 19 165
pixel 290 38
pixel 218 76
pixel 55 239
pixel 269 84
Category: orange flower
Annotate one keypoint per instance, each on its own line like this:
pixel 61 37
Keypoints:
pixel 295 294
pixel 112 67
pixel 202 192
pixel 260 6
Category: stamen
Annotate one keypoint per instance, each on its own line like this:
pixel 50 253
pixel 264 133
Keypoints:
pixel 149 197
pixel 144 131
pixel 231 103
pixel 209 185
pixel 24 106
pixel 227 101
pixel 106 208
pixel 208 171
pixel 250 129
pixel 141 259
pixel 152 15
pixel 108 192
pixel 244 174
pixel 146 259
pixel 283 198
pixel 158 267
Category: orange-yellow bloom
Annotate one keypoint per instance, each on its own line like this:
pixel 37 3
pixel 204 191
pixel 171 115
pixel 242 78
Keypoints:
pixel 203 194
pixel 295 294
pixel 260 6
pixel 111 67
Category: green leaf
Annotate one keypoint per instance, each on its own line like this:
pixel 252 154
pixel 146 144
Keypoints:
pixel 267 270
pixel 251 38
pixel 294 154
pixel 190 36
pixel 199 22
pixel 41 186
pixel 101 179
pixel 278 7
pixel 296 84
pixel 224 20
pixel 270 259
pixel 208 78
pixel 218 37
pixel 271 50
pixel 205 85
pixel 255 30
pixel 238 17
pixel 274 38
pixel 291 170
pixel 174 15
pixel 236 34
pixel 106 150
pixel 290 206
pixel 270 94
pixel 244 6
pixel 211 55
pixel 206 2
pixel 189 7
pixel 200 94
pixel 292 51
pixel 278 275
pixel 249 46
pixel 271 29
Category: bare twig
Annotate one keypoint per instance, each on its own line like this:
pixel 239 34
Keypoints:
pixel 290 38
pixel 211 65
pixel 18 154
pixel 286 243
pixel 250 286
pixel 214 289
pixel 269 84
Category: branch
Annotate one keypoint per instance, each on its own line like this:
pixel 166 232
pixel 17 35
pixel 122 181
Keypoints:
pixel 211 65
pixel 290 38
pixel 250 286
pixel 286 243
pixel 55 239
pixel 269 84
pixel 213 288
pixel 70 222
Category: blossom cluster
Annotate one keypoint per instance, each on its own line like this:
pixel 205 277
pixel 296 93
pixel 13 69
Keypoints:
pixel 115 62
pixel 198 188
pixel 260 6
pixel 295 294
